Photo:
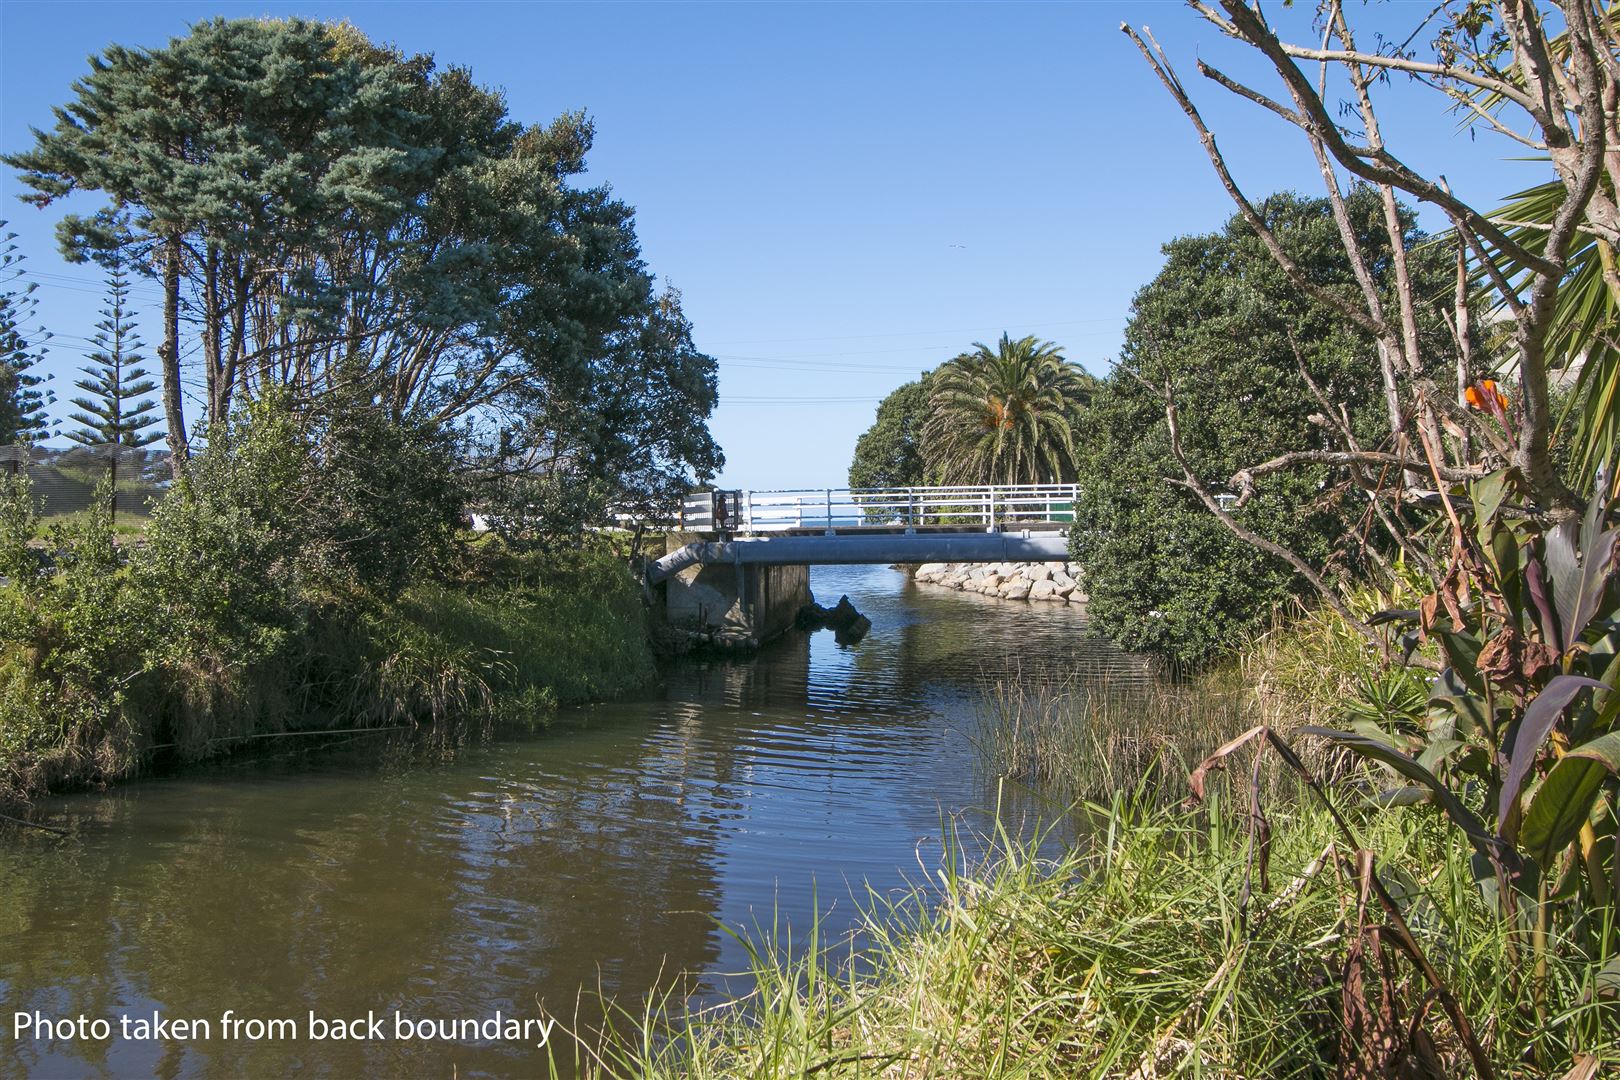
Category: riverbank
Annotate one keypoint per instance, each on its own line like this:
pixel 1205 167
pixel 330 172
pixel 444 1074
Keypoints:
pixel 1169 943
pixel 1057 582
pixel 505 639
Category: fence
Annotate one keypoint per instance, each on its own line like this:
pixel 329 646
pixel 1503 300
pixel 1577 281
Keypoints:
pixel 65 480
pixel 987 506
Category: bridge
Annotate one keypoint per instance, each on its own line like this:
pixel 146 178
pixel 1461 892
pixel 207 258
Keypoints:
pixel 745 574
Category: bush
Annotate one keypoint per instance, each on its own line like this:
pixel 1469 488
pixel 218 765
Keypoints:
pixel 1220 322
pixel 73 640
pixel 302 575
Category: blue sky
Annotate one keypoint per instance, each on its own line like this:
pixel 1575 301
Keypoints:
pixel 846 193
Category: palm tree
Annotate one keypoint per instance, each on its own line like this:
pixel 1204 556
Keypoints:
pixel 1005 415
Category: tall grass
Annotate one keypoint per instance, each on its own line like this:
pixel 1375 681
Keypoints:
pixel 1130 956
pixel 1081 738
pixel 1158 946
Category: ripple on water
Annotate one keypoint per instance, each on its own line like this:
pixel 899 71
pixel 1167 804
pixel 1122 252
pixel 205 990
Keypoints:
pixel 533 866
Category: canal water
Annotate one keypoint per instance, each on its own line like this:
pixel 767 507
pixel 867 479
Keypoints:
pixel 605 854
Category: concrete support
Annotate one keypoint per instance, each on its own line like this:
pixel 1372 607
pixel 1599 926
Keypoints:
pixel 741 604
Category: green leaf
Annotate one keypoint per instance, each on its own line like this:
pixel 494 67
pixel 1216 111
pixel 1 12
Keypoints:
pixel 1460 815
pixel 1564 801
pixel 1487 494
pixel 1539 717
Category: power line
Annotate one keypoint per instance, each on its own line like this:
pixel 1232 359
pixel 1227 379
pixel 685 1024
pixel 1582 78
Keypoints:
pixel 912 333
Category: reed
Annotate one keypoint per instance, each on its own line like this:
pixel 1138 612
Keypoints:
pixel 1133 956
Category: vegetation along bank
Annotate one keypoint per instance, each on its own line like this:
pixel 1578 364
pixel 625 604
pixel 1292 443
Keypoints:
pixel 383 306
pixel 1361 479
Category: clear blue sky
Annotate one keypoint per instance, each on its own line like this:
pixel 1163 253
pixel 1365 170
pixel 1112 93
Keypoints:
pixel 845 193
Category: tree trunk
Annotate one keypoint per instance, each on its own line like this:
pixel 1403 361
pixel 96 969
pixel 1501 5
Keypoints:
pixel 173 406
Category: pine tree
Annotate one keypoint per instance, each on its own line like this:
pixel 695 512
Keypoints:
pixel 22 401
pixel 114 415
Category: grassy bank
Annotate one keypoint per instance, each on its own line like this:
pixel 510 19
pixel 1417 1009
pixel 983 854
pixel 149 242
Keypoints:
pixel 1180 939
pixel 93 685
pixel 1132 957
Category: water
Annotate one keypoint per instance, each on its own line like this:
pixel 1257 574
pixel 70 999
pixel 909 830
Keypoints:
pixel 600 854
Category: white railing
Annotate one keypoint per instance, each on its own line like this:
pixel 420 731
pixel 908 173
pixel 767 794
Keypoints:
pixel 990 506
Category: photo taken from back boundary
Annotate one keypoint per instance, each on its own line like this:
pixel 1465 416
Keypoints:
pixel 909 540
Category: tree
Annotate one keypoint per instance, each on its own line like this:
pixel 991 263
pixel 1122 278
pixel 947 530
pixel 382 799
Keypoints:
pixel 623 433
pixel 1224 326
pixel 115 415
pixel 889 453
pixel 337 219
pixel 1543 75
pixel 1005 415
pixel 22 402
pixel 330 213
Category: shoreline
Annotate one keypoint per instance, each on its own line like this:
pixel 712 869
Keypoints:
pixel 1051 582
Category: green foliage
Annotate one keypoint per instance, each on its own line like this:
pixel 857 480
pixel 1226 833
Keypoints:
pixel 1581 334
pixel 1221 323
pixel 386 224
pixel 72 645
pixel 1004 415
pixel 1518 741
pixel 22 402
pixel 889 453
pixel 19 523
pixel 1124 956
pixel 114 413
pixel 622 432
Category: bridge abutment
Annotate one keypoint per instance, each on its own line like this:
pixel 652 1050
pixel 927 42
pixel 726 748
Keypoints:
pixel 740 605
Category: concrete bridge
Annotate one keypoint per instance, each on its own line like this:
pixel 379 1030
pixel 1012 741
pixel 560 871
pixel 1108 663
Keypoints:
pixel 738 566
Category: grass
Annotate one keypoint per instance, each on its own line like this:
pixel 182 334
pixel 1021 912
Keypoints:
pixel 1130 956
pixel 1161 944
pixel 450 659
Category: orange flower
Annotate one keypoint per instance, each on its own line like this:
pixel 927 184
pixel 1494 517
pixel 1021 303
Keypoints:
pixel 1481 393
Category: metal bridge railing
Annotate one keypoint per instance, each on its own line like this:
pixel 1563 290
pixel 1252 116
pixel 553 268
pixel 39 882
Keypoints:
pixel 981 506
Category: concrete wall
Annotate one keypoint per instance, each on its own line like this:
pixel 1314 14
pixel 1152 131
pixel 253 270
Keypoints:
pixel 743 604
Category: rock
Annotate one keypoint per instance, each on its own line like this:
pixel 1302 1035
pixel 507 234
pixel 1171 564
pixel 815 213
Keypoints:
pixel 992 580
pixel 842 618
pixel 1077 597
pixel 932 569
pixel 1043 590
pixel 1016 589
pixel 852 633
pixel 1039 573
pixel 1062 580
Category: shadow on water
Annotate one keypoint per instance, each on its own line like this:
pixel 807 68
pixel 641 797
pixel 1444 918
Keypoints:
pixel 521 870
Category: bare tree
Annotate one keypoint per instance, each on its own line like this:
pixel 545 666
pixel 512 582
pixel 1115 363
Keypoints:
pixel 1547 77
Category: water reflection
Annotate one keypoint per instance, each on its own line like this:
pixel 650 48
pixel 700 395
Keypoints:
pixel 522 870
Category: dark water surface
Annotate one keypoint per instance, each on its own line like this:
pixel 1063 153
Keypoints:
pixel 599 854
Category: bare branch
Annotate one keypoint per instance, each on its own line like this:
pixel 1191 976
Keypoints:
pixel 1166 73
pixel 1252 538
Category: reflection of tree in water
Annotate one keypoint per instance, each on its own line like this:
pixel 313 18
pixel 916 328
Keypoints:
pixel 449 893
pixel 520 870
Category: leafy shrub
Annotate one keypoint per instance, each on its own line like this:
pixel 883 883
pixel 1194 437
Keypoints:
pixel 73 642
pixel 1221 323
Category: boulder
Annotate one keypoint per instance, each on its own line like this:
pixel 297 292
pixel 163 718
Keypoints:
pixel 1016 589
pixel 1043 590
pixel 1062 580
pixel 1039 573
pixel 932 569
pixel 1077 597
